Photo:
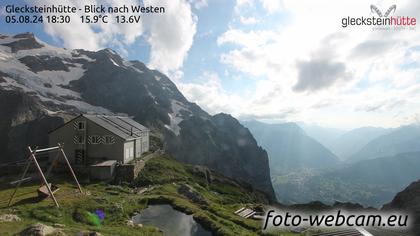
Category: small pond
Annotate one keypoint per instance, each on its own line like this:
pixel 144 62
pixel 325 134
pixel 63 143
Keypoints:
pixel 170 221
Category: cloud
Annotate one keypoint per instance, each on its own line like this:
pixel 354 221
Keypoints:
pixel 243 3
pixel 208 93
pixel 170 35
pixel 383 105
pixel 75 34
pixel 307 61
pixel 248 20
pixel 415 118
pixel 273 116
pixel 3 12
pixel 256 55
pixel 322 104
pixel 198 4
pixel 270 6
pixel 317 74
pixel 252 62
pixel 248 39
pixel 372 48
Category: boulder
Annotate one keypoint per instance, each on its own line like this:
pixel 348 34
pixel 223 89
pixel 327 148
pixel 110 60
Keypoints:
pixel 9 218
pixel 57 225
pixel 131 223
pixel 39 229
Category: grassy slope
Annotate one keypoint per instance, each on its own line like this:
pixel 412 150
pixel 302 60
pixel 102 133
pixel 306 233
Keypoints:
pixel 120 202
pixel 118 207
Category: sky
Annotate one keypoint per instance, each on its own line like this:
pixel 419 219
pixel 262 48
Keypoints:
pixel 271 60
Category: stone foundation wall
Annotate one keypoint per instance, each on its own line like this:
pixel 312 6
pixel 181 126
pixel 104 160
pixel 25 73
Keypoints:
pixel 125 173
pixel 128 172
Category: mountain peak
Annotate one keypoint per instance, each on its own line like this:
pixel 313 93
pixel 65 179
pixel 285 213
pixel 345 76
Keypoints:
pixel 27 35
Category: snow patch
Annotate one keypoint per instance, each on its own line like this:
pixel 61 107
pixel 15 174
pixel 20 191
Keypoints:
pixel 47 85
pixel 174 124
pixel 110 51
pixel 113 62
pixel 176 116
pixel 45 51
pixel 84 57
pixel 150 94
pixel 3 55
pixel 62 77
pixel 131 65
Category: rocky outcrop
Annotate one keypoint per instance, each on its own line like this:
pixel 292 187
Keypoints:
pixel 408 200
pixel 192 194
pixel 40 63
pixel 2 75
pixel 26 41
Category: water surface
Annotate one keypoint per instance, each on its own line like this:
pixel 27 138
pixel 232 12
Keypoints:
pixel 170 221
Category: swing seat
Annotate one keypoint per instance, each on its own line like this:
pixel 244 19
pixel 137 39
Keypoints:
pixel 43 190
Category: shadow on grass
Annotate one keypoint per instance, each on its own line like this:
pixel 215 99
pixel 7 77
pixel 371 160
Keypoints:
pixel 24 201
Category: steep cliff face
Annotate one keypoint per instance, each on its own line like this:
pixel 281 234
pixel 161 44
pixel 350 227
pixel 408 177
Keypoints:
pixel 43 86
pixel 222 144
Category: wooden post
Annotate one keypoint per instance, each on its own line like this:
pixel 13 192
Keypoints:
pixel 28 164
pixel 46 149
pixel 71 169
pixel 42 176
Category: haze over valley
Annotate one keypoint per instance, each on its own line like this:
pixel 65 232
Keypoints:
pixel 366 165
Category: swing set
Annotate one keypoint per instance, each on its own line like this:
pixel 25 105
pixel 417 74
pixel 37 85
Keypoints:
pixel 46 189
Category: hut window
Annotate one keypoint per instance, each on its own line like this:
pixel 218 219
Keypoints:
pixel 79 139
pixel 81 125
pixel 95 139
pixel 109 139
